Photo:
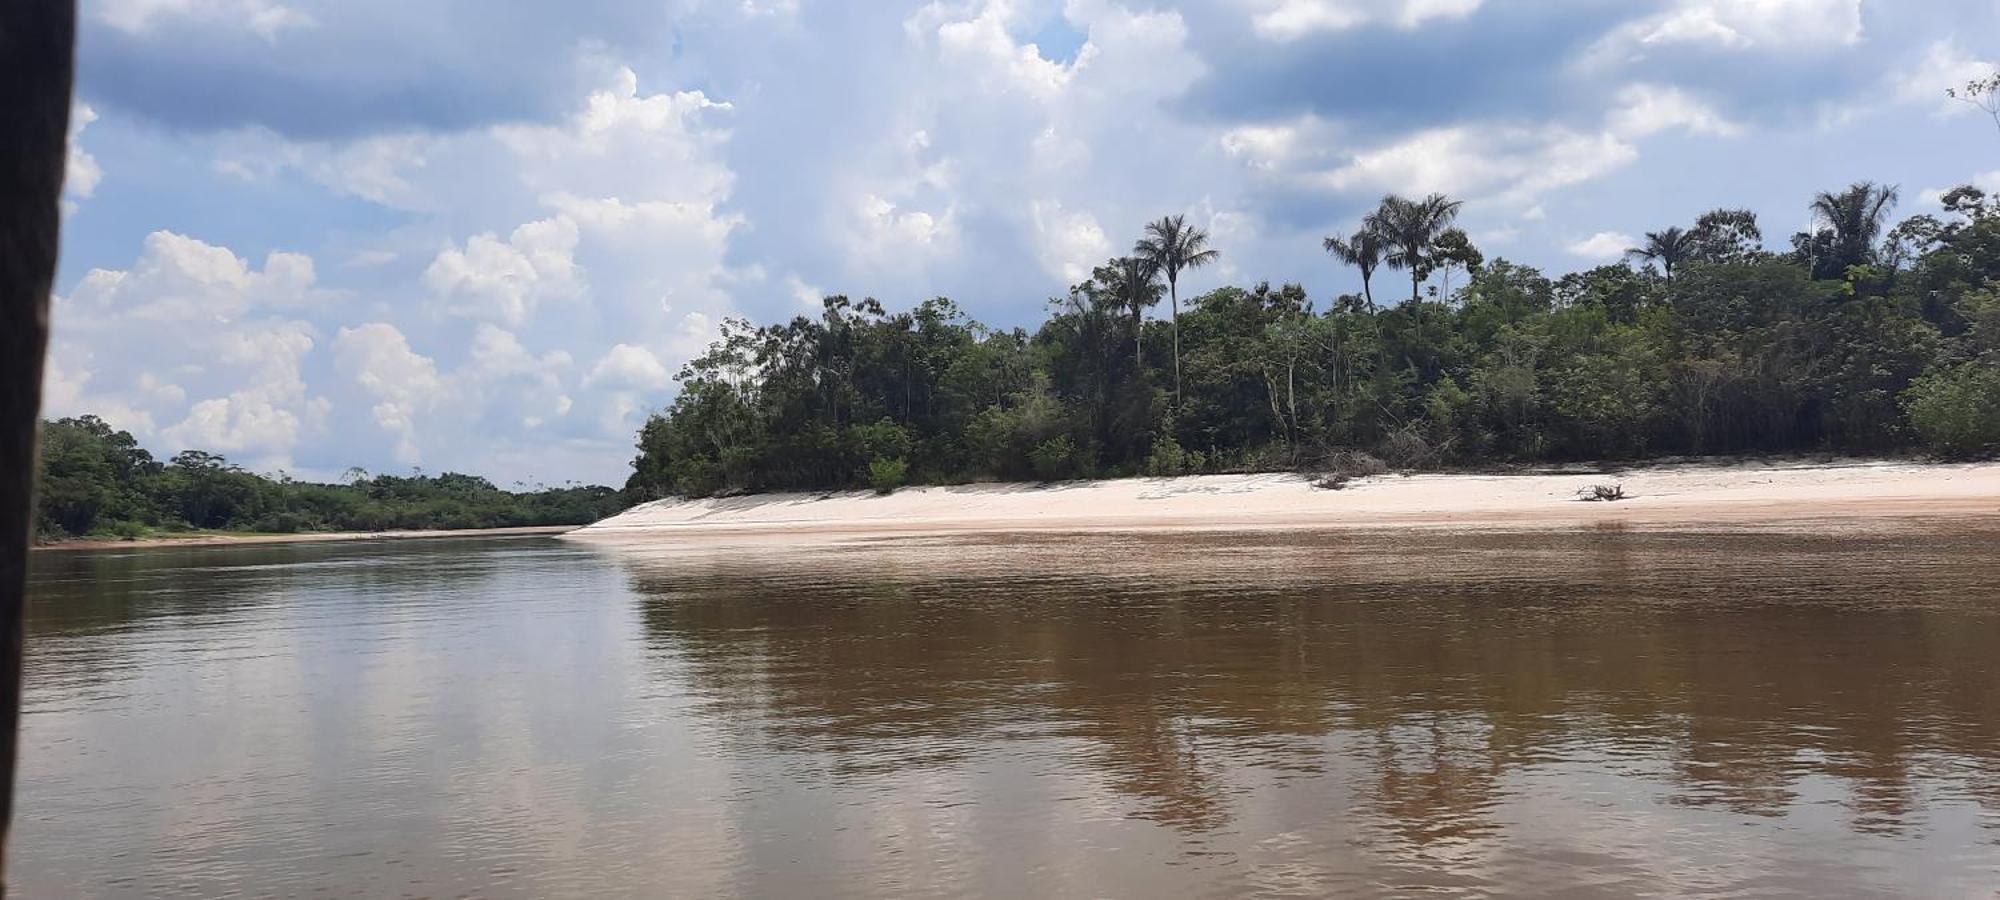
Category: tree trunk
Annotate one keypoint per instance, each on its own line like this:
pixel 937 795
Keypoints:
pixel 1174 290
pixel 1292 400
pixel 37 47
pixel 1367 291
pixel 1138 340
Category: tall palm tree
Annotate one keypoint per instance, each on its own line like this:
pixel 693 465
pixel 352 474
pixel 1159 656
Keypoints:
pixel 1362 251
pixel 1172 246
pixel 1136 286
pixel 1408 228
pixel 1855 216
pixel 1669 248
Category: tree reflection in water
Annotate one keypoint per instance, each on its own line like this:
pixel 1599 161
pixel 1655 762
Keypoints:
pixel 1432 675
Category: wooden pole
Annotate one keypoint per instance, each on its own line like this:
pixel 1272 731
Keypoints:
pixel 37 51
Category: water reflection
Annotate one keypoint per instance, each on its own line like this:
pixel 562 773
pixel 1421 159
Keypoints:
pixel 1428 688
pixel 1588 712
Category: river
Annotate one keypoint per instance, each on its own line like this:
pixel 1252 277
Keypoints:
pixel 1805 711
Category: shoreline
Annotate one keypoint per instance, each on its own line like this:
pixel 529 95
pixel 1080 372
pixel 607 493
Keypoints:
pixel 304 537
pixel 1675 495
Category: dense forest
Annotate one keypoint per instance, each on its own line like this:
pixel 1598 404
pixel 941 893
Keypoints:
pixel 99 481
pixel 1860 337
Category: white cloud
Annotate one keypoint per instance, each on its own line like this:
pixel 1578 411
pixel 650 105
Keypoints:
pixel 1647 109
pixel 1508 164
pixel 1736 25
pixel 497 352
pixel 630 366
pixel 193 335
pixel 179 278
pixel 1944 65
pixel 1985 181
pixel 808 295
pixel 1513 165
pixel 1288 20
pixel 879 233
pixel 1277 146
pixel 81 173
pixel 404 384
pixel 1068 243
pixel 982 44
pixel 606 227
pixel 504 280
pixel 1604 246
pixel 259 16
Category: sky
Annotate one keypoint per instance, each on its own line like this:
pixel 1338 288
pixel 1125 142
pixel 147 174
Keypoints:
pixel 481 236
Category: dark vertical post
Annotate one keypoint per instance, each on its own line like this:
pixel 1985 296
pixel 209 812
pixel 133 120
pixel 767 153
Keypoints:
pixel 37 50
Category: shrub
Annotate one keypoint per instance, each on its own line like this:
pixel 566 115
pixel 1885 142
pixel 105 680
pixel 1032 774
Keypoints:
pixel 1054 459
pixel 279 523
pixel 1167 458
pixel 885 475
pixel 1957 409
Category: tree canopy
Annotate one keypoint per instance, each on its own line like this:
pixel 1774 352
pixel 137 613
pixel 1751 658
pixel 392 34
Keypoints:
pixel 1853 341
pixel 96 480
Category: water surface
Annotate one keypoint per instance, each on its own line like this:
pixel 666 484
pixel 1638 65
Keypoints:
pixel 1806 712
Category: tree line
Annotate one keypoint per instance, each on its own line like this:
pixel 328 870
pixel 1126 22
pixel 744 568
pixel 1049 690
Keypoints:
pixel 1859 337
pixel 96 480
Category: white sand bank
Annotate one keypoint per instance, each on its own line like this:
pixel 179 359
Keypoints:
pixel 1680 496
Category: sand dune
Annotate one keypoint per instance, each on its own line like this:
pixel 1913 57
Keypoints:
pixel 1663 496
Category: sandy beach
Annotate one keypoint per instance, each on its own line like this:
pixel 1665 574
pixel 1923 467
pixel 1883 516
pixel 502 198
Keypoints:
pixel 1692 495
pixel 212 539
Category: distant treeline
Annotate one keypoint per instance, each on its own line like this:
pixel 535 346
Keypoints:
pixel 1861 338
pixel 98 481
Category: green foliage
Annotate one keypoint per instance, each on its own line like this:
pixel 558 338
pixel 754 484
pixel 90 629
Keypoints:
pixel 1054 459
pixel 1740 351
pixel 1167 458
pixel 98 481
pixel 886 475
pixel 1957 409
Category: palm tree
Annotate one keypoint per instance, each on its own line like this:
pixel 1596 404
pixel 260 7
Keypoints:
pixel 1408 228
pixel 1171 246
pixel 1855 216
pixel 1669 248
pixel 1137 287
pixel 1362 251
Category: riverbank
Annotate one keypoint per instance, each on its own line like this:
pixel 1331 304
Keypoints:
pixel 227 539
pixel 1663 495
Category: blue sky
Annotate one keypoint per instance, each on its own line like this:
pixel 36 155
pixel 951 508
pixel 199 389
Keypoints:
pixel 483 236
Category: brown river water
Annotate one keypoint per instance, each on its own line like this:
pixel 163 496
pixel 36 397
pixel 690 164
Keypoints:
pixel 1806 712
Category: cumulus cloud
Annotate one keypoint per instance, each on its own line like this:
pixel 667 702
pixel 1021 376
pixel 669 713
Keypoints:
pixel 504 279
pixel 1604 246
pixel 403 383
pixel 629 366
pixel 196 347
pixel 1069 243
pixel 81 174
